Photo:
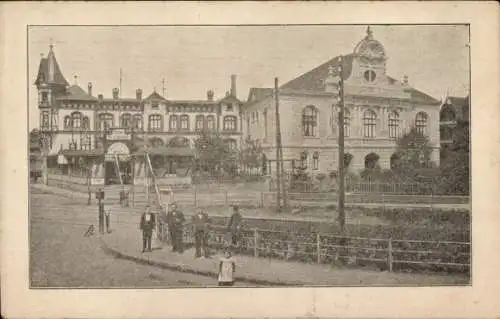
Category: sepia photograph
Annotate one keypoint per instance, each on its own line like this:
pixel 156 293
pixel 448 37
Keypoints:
pixel 249 156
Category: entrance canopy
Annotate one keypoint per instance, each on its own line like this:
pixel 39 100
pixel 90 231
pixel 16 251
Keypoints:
pixel 167 151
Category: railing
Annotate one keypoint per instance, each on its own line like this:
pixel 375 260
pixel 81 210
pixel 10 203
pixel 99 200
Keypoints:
pixel 383 253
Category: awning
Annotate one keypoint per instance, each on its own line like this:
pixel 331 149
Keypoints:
pixel 167 151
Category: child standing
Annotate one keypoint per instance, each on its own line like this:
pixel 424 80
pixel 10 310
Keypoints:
pixel 227 267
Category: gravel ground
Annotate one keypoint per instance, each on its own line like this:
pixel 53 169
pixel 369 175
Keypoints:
pixel 61 257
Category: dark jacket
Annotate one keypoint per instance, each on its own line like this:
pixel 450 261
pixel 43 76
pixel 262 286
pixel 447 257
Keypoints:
pixel 147 226
pixel 235 221
pixel 175 219
pixel 201 222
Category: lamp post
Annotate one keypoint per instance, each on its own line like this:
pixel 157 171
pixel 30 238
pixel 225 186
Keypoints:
pixel 341 188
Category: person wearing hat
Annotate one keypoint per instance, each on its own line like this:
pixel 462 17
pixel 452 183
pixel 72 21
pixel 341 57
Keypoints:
pixel 175 219
pixel 201 225
pixel 234 225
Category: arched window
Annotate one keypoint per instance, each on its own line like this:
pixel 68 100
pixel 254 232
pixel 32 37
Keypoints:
pixel 200 122
pixel 155 122
pixel 369 123
pixel 76 120
pixel 347 123
pixel 185 122
pixel 316 160
pixel 393 124
pixel 303 159
pixel 229 123
pixel 126 121
pixel 137 122
pixel 85 123
pixel 106 121
pixel 67 122
pixel 421 123
pixel 309 120
pixel 174 119
pixel 210 122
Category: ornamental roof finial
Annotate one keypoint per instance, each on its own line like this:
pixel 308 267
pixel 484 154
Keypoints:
pixel 369 32
pixel 51 46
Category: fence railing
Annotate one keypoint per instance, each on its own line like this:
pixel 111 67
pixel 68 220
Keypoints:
pixel 383 253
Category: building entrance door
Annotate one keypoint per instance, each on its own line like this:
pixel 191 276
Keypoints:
pixel 118 165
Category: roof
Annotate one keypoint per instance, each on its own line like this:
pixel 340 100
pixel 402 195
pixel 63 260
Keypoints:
pixel 49 71
pixel 75 92
pixel 155 96
pixel 202 102
pixel 167 151
pixel 460 104
pixel 229 98
pixel 258 94
pixel 314 79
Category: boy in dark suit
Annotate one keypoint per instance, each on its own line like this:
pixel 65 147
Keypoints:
pixel 147 225
pixel 201 225
pixel 234 226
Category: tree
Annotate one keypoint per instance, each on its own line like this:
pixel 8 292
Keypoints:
pixel 214 154
pixel 413 151
pixel 251 153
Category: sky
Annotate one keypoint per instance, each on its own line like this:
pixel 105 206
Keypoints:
pixel 194 59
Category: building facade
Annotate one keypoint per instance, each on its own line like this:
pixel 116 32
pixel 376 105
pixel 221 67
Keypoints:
pixel 378 110
pixel 101 131
pixel 454 120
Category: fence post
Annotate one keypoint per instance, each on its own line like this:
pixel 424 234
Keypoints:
pixel 389 255
pixel 255 243
pixel 318 247
pixel 262 199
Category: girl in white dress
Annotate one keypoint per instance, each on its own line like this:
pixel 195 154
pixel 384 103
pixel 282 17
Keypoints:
pixel 227 267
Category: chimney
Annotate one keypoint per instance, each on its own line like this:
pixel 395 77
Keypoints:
pixel 116 91
pixel 210 95
pixel 405 79
pixel 233 85
pixel 100 98
pixel 90 88
pixel 138 94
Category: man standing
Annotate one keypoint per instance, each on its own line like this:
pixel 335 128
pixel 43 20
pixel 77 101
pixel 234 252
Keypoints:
pixel 107 215
pixel 234 226
pixel 147 225
pixel 201 225
pixel 176 223
pixel 101 217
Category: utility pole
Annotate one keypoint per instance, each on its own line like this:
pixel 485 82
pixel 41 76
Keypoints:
pixel 341 195
pixel 280 148
pixel 278 140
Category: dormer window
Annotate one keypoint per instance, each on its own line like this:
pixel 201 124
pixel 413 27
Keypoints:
pixel 229 108
pixel 154 105
pixel 45 97
pixel 370 75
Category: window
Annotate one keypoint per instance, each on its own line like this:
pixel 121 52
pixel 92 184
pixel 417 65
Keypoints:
pixel 138 122
pixel 155 122
pixel 210 123
pixel 393 125
pixel 67 122
pixel 421 123
pixel 370 75
pixel 229 108
pixel 106 121
pixel 86 123
pixel 229 123
pixel 303 159
pixel 369 123
pixel 347 123
pixel 76 120
pixel 309 121
pixel 154 105
pixel 45 97
pixel 200 122
pixel 126 121
pixel 44 119
pixel 185 122
pixel 316 160
pixel 231 144
pixel 173 122
pixel 86 142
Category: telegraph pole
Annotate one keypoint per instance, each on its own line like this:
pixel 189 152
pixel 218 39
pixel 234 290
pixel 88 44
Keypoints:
pixel 278 143
pixel 280 148
pixel 341 195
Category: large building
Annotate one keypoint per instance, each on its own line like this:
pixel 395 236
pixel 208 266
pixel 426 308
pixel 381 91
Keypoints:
pixel 97 132
pixel 378 109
